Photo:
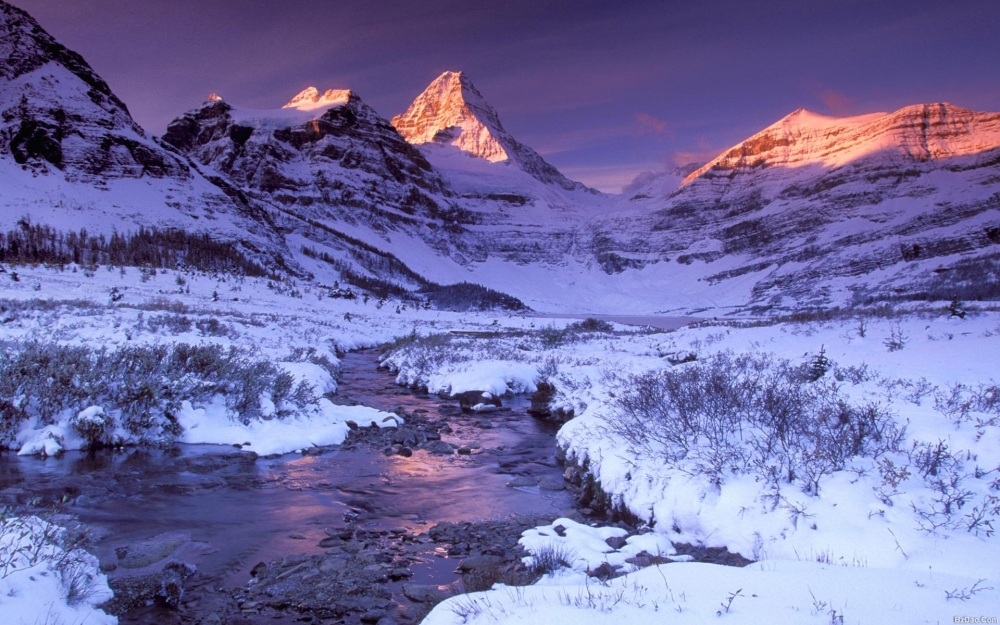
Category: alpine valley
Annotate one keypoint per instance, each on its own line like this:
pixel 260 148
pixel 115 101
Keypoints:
pixel 812 210
pixel 321 364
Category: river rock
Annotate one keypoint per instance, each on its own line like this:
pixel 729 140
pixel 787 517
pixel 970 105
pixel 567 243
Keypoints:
pixel 438 447
pixel 147 552
pixel 550 484
pixel 478 562
pixel 522 481
pixel 425 593
pixel 138 590
pixel 469 400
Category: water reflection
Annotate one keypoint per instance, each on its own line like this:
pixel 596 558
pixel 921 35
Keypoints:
pixel 234 512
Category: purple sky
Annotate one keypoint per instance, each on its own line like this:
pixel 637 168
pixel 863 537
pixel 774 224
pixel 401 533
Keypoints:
pixel 603 90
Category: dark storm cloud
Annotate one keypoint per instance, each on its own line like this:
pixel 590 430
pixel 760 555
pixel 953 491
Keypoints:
pixel 587 83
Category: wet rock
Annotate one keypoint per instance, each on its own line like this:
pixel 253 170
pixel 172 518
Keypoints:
pixel 573 476
pixel 478 562
pixel 616 542
pixel 439 447
pixel 147 552
pixel 332 566
pixel 138 590
pixel 425 593
pixel 550 484
pixel 464 451
pixel 405 452
pixel 522 481
pixel 469 400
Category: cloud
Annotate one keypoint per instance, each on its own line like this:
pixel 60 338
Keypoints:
pixel 651 125
pixel 837 103
pixel 641 180
pixel 702 155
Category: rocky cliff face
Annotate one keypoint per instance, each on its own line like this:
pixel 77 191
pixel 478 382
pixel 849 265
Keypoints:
pixel 451 111
pixel 56 113
pixel 878 204
pixel 321 156
pixel 71 156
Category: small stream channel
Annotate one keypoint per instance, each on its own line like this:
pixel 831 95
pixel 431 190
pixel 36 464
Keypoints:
pixel 224 511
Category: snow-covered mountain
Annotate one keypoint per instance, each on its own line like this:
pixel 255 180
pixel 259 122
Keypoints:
pixel 329 155
pixel 71 156
pixel 814 205
pixel 811 210
pixel 451 111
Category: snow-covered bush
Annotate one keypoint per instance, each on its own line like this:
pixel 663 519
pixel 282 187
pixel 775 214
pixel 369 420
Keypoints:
pixel 94 426
pixel 46 574
pixel 748 413
pixel 140 387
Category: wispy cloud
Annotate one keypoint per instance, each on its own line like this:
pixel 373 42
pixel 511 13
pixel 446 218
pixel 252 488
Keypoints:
pixel 837 103
pixel 703 154
pixel 649 124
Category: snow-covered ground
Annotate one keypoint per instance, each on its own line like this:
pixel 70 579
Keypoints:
pixel 875 540
pixel 45 578
pixel 291 325
pixel 904 537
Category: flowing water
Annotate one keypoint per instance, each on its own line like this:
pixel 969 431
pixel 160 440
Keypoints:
pixel 227 512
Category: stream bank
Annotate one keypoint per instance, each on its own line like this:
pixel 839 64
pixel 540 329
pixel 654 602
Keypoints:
pixel 330 535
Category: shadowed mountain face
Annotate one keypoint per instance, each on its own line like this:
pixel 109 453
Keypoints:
pixel 811 210
pixel 72 157
pixel 56 112
pixel 322 157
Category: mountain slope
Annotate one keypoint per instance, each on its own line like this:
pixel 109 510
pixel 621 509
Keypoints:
pixel 326 156
pixel 451 111
pixel 71 156
pixel 813 209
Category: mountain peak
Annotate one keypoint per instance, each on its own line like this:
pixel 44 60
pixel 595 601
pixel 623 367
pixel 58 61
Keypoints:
pixel 310 99
pixel 919 132
pixel 452 111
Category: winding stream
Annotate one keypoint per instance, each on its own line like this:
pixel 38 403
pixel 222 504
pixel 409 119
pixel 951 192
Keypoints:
pixel 224 511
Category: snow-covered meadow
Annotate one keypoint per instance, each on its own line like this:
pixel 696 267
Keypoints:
pixel 902 531
pixel 129 356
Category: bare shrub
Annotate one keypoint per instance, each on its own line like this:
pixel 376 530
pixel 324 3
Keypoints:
pixel 141 387
pixel 748 413
pixel 550 558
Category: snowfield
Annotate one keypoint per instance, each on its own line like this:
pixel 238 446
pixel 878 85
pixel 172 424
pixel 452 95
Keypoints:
pixel 904 537
pixel 903 531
